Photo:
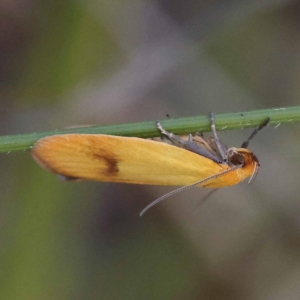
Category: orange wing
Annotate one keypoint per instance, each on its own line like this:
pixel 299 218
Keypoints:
pixel 130 160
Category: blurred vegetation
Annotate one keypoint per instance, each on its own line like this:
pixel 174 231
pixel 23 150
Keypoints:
pixel 181 126
pixel 65 63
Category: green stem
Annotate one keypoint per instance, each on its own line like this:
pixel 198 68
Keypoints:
pixel 180 126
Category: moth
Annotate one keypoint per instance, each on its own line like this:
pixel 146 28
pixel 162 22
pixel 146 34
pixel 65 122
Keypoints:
pixel 195 161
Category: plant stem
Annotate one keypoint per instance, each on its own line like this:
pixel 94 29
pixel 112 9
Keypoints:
pixel 179 126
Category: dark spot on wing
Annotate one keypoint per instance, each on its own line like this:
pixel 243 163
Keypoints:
pixel 105 157
pixel 110 162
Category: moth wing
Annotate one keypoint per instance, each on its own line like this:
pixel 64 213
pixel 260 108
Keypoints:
pixel 125 159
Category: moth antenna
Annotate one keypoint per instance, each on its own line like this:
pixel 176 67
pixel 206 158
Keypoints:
pixel 187 187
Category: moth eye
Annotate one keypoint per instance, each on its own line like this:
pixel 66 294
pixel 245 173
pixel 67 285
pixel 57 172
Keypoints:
pixel 236 158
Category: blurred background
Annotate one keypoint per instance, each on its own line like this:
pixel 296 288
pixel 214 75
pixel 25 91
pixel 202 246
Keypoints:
pixel 66 63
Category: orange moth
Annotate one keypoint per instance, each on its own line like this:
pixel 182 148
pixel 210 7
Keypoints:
pixel 195 161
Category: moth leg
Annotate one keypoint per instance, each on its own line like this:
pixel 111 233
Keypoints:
pixel 256 130
pixel 177 140
pixel 200 134
pixel 189 144
pixel 220 146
